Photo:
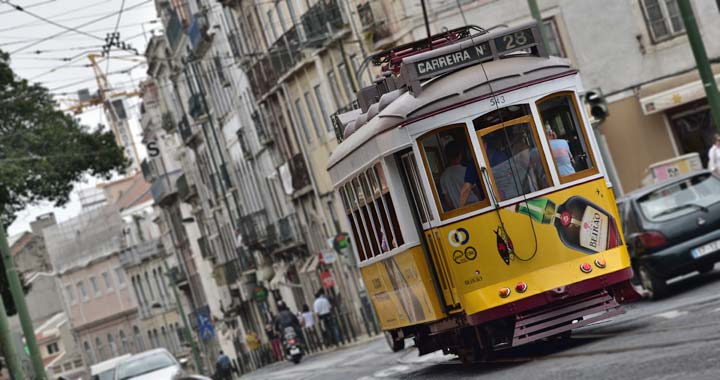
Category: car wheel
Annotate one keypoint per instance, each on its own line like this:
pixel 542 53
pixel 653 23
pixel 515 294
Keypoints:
pixel 655 286
pixel 706 268
pixel 395 345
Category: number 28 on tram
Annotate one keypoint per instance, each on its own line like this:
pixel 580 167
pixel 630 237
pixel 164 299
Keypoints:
pixel 480 211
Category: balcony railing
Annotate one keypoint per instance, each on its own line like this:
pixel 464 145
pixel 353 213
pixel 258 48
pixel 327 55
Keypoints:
pixel 186 191
pixel 288 229
pixel 200 39
pixel 299 172
pixel 164 186
pixel 196 107
pixel 233 270
pixel 372 19
pixel 321 22
pixel 144 251
pixel 253 228
pixel 188 133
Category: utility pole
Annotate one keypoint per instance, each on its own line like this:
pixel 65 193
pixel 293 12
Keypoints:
pixel 181 310
pixel 8 348
pixel 535 13
pixel 701 59
pixel 22 310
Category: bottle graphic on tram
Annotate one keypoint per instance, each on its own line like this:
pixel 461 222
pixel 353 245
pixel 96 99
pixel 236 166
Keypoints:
pixel 580 224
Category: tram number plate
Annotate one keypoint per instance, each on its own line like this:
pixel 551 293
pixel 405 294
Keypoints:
pixel 705 249
pixel 517 40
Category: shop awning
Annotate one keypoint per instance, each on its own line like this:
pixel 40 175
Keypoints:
pixel 672 92
pixel 311 264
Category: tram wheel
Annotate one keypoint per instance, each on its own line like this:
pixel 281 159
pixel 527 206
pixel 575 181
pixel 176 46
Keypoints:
pixel 477 347
pixel 394 344
pixel 654 285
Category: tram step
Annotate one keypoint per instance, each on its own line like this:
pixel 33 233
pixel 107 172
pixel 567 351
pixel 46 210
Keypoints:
pixel 564 316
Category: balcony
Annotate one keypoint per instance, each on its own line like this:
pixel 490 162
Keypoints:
pixel 196 108
pixel 261 129
pixel 188 133
pixel 167 121
pixel 321 22
pixel 253 228
pixel 299 172
pixel 146 170
pixel 144 251
pixel 230 3
pixel 372 19
pixel 233 271
pixel 200 39
pixel 186 191
pixel 164 187
pixel 174 31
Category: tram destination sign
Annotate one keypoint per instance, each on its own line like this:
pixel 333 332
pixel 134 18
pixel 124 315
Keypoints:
pixel 469 52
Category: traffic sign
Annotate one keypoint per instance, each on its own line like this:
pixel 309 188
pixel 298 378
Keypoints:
pixel 205 326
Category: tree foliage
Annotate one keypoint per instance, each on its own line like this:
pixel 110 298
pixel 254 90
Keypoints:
pixel 44 151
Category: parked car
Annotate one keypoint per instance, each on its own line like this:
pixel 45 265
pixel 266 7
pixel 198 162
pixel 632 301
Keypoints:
pixel 106 370
pixel 672 229
pixel 158 364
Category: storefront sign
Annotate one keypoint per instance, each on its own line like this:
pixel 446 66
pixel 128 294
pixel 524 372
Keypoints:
pixel 673 97
pixel 328 256
pixel 260 294
pixel 327 280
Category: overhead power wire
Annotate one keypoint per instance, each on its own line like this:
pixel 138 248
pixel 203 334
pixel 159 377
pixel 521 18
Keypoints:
pixel 25 47
pixel 51 22
pixel 117 24
pixel 30 6
pixel 74 10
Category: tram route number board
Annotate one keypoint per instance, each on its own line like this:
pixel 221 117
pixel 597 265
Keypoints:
pixel 476 53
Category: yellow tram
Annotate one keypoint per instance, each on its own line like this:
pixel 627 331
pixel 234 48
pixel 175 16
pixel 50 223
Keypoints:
pixel 481 214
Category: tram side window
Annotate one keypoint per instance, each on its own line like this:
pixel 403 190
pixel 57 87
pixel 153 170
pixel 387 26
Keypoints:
pixel 369 208
pixel 450 162
pixel 566 135
pixel 510 144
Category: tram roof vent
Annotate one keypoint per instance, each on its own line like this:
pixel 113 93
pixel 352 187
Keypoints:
pixel 524 39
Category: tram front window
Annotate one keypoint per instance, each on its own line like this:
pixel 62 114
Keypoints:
pixel 516 165
pixel 449 161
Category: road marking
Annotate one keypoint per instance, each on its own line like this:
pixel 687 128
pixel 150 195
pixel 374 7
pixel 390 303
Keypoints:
pixel 394 370
pixel 671 314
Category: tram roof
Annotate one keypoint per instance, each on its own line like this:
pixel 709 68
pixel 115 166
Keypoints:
pixel 454 89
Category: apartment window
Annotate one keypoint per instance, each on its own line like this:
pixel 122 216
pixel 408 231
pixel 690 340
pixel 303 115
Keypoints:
pixel 323 109
pixel 332 82
pixel 371 212
pixel 347 82
pixel 281 19
pixel 273 32
pixel 301 119
pixel 313 115
pixel 100 348
pixel 553 42
pixel 111 345
pixel 663 19
pixel 89 353
pixel 124 345
pixel 138 339
pixel 52 348
pixel 120 275
pixel 95 287
pixel 149 285
pixel 82 292
pixel 108 281
pixel 70 294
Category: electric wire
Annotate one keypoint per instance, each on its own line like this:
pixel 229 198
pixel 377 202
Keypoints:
pixel 50 37
pixel 51 22
pixel 110 39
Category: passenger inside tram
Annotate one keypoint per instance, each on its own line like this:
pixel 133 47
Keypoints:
pixel 453 177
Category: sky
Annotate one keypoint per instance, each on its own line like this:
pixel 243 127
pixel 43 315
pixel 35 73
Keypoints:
pixel 42 51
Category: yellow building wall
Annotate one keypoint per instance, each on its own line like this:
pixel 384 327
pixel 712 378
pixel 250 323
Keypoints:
pixel 635 140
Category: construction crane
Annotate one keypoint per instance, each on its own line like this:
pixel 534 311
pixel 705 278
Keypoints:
pixel 113 103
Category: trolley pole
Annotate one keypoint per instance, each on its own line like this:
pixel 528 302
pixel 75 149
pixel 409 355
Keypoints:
pixel 535 13
pixel 186 324
pixel 21 306
pixel 701 59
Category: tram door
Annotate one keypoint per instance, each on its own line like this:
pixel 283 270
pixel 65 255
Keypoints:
pixel 416 196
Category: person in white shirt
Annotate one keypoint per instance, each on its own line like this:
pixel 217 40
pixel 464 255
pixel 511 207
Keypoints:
pixel 307 317
pixel 714 156
pixel 323 309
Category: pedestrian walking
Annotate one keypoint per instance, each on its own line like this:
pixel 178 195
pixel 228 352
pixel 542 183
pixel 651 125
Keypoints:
pixel 323 309
pixel 714 156
pixel 223 367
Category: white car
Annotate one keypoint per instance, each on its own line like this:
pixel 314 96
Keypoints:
pixel 106 370
pixel 156 364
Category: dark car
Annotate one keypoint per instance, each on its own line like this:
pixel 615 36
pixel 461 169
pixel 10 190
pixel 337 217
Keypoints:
pixel 672 229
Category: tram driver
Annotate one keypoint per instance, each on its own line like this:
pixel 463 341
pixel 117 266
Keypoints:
pixel 452 179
